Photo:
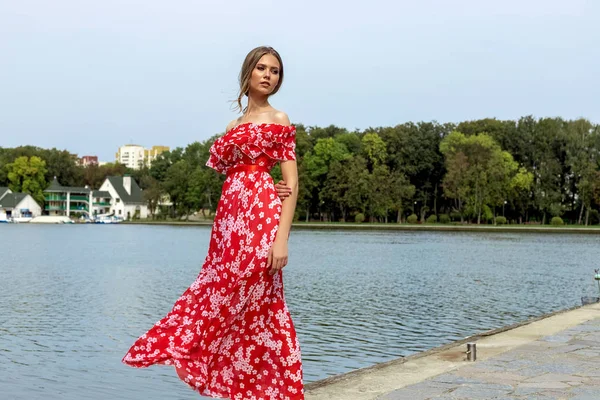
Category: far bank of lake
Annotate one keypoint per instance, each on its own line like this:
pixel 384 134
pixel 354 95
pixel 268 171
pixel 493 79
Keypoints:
pixel 593 229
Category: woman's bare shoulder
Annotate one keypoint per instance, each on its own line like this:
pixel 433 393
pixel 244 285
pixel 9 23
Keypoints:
pixel 281 118
pixel 232 124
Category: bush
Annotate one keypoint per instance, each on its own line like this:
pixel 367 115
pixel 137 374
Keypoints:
pixel 556 221
pixel 412 219
pixel 500 220
pixel 487 214
pixel 432 219
pixel 455 216
pixel 445 218
pixel 360 217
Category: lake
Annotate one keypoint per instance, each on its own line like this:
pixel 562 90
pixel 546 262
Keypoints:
pixel 73 298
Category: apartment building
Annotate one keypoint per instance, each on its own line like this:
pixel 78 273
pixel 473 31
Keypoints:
pixel 135 156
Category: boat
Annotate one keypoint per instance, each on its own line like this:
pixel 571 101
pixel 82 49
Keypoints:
pixel 20 220
pixel 107 219
pixel 51 219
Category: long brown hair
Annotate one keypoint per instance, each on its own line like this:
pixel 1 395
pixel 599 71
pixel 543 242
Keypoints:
pixel 248 66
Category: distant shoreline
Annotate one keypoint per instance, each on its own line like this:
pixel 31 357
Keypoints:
pixel 404 227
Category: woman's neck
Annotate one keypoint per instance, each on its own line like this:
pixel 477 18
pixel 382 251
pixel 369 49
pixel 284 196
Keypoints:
pixel 257 105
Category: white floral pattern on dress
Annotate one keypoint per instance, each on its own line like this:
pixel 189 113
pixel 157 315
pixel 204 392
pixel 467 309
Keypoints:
pixel 230 334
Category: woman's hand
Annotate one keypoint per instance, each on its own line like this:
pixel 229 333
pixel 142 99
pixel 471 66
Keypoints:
pixel 283 191
pixel 278 256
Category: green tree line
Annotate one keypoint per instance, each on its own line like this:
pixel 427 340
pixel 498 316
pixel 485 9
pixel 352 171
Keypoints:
pixel 484 171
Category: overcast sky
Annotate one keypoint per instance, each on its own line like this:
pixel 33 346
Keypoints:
pixel 89 76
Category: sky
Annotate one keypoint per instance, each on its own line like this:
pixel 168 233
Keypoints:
pixel 90 76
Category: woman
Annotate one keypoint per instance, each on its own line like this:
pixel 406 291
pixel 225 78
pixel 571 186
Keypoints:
pixel 230 334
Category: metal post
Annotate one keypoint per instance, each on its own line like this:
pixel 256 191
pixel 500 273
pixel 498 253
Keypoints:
pixel 471 352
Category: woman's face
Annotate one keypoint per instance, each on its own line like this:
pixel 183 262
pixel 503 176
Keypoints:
pixel 265 75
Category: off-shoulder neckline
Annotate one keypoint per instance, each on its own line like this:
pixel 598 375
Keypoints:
pixel 258 124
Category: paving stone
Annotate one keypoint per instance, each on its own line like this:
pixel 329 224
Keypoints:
pixel 458 380
pixel 506 378
pixel 587 353
pixel 556 378
pixel 478 392
pixel 491 367
pixel 557 338
pixel 526 391
pixel 503 398
pixel 547 396
pixel 519 364
pixel 566 349
pixel 545 345
pixel 432 385
pixel 545 385
pixel 444 385
pixel 409 394
pixel 586 342
pixel 586 394
pixel 550 368
pixel 403 394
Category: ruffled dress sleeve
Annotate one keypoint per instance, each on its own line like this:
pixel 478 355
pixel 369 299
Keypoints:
pixel 278 142
pixel 248 143
pixel 215 162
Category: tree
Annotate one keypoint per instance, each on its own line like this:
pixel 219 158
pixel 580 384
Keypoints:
pixel 307 187
pixel 163 162
pixel 94 175
pixel 478 171
pixel 351 140
pixel 27 175
pixel 335 189
pixel 360 187
pixel 520 191
pixel 596 187
pixel 413 149
pixel 63 165
pixel 548 167
pixel 316 166
pixel 401 191
pixel 374 149
pixel 153 193
pixel 582 162
pixel 379 198
pixel 176 185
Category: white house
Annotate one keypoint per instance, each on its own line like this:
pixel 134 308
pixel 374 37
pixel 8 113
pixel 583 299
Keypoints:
pixel 17 205
pixel 126 197
pixel 117 195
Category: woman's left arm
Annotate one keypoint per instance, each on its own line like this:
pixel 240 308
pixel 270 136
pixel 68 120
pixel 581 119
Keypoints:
pixel 278 256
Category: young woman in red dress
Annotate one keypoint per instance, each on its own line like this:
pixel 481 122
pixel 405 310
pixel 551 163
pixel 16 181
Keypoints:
pixel 230 334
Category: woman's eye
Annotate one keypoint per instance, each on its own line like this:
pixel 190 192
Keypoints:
pixel 276 72
pixel 260 68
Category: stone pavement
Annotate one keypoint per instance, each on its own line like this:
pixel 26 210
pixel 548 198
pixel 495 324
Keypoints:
pixel 565 365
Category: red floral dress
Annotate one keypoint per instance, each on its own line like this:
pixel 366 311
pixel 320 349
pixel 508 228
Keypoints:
pixel 230 334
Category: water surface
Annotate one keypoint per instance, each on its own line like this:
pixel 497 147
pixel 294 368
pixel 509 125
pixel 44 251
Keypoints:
pixel 73 298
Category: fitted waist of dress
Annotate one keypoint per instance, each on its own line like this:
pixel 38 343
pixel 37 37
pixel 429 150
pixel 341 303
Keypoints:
pixel 247 168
